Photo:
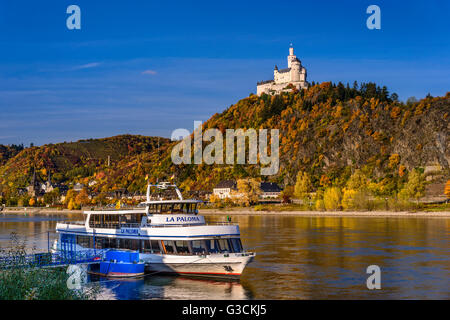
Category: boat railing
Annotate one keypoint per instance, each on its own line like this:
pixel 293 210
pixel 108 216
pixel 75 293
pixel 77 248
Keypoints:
pixel 138 225
pixel 224 223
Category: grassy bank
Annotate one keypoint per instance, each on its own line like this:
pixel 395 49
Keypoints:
pixel 19 282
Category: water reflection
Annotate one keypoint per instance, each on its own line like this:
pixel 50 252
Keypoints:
pixel 170 287
pixel 299 258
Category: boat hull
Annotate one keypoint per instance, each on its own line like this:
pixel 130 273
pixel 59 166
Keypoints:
pixel 224 267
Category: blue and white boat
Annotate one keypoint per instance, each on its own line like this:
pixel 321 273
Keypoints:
pixel 169 235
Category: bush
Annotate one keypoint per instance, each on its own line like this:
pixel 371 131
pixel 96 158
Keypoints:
pixel 320 206
pixel 356 200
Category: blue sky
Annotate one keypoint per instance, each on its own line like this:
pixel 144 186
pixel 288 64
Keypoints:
pixel 149 67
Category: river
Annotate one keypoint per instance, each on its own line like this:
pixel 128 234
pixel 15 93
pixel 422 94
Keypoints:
pixel 297 258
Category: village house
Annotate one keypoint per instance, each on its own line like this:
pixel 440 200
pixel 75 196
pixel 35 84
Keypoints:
pixel 269 190
pixel 224 188
pixel 78 187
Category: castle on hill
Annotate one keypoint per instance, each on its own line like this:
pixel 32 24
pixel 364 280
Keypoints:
pixel 294 76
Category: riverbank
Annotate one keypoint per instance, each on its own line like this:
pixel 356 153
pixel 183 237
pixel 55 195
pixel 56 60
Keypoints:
pixel 243 211
pixel 250 211
pixel 30 210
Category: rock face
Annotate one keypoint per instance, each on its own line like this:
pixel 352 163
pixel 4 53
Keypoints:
pixel 330 130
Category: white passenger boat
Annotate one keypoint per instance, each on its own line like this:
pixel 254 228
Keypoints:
pixel 169 234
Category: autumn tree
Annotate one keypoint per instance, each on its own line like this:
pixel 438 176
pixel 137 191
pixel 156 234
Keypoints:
pixel 32 202
pixel 287 194
pixel 414 187
pixel 71 194
pixel 447 189
pixel 332 198
pixel 82 198
pixel 355 194
pixel 249 191
pixel 51 198
pixel 303 186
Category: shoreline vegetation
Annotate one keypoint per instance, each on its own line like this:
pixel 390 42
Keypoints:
pixel 22 280
pixel 283 210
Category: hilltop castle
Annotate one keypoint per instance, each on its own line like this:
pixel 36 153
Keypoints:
pixel 293 76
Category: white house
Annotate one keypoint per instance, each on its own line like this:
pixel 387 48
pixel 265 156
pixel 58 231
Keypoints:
pixel 224 188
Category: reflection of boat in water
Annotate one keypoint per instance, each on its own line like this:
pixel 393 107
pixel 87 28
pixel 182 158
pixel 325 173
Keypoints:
pixel 164 287
pixel 200 289
pixel 169 235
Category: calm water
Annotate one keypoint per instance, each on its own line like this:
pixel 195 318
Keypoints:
pixel 299 258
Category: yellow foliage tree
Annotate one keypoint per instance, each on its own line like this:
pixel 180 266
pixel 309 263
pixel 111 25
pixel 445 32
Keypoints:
pixel 249 190
pixel 332 198
pixel 31 202
pixel 71 204
pixel 82 198
pixel 303 186
pixel 447 189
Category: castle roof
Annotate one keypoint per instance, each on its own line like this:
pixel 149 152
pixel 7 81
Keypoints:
pixel 284 70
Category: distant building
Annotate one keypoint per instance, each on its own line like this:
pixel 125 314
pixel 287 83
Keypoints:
pixel 92 183
pixel 34 188
pixel 48 186
pixel 78 187
pixel 224 188
pixel 294 76
pixel 269 190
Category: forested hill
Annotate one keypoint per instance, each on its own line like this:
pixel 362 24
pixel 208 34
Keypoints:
pixel 7 152
pixel 327 131
pixel 330 130
pixel 71 162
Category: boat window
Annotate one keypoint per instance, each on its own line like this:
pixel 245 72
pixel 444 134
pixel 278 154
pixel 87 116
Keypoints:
pixel 213 246
pixel 177 208
pixel 235 244
pixel 198 247
pixel 104 221
pixel 151 246
pixel 182 247
pixel 223 245
pixel 110 243
pixel 131 244
pixel 169 245
pixel 84 241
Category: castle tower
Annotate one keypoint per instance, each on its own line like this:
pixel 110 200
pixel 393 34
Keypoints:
pixel 291 57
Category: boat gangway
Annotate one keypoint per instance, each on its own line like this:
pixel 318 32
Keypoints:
pixel 50 259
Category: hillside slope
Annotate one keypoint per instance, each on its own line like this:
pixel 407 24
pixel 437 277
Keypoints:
pixel 327 131
pixel 71 162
